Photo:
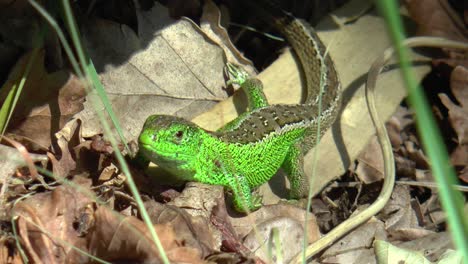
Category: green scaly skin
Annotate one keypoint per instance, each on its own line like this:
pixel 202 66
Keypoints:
pixel 186 150
pixel 249 150
pixel 194 154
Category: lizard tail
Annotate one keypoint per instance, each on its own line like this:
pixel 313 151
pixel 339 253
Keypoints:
pixel 318 69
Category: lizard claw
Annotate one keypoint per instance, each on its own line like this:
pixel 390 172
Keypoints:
pixel 256 201
pixel 253 203
pixel 236 74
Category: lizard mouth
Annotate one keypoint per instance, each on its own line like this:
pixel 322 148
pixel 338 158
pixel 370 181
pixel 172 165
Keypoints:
pixel 169 159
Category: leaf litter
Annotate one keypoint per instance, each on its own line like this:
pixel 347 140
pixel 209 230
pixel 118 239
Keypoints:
pixel 94 212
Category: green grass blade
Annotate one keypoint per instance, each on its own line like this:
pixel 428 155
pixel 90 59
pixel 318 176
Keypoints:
pixel 8 106
pixel 66 46
pixel 92 75
pixel 91 70
pixel 444 174
pixel 90 79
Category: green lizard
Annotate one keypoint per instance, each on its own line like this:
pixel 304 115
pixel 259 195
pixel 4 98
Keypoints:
pixel 249 150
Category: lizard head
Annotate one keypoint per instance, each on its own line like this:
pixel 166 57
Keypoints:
pixel 171 142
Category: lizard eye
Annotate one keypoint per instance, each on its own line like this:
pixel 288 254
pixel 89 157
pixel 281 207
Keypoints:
pixel 179 134
pixel 153 137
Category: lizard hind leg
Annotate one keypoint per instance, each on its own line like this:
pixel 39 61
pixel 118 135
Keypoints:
pixel 293 165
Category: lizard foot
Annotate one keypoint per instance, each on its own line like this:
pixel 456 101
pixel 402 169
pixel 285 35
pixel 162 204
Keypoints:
pixel 237 75
pixel 256 201
pixel 252 204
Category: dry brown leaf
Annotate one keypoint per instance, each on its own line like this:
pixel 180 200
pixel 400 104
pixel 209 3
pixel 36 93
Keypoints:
pixel 349 248
pixel 459 85
pixel 400 129
pixel 210 23
pixel 46 103
pixel 115 238
pixel 230 240
pixel 196 231
pixel 64 217
pixel 47 220
pixel 15 160
pixel 289 234
pixel 458 118
pixel 394 129
pixel 415 153
pixel 437 18
pixel 405 168
pixel 370 167
pixel 463 175
pixel 244 224
pixel 459 159
pixel 169 67
pixel 433 246
pixel 199 199
pixel 458 115
pixel 67 138
pixel 433 213
pixel 108 173
pixel 401 221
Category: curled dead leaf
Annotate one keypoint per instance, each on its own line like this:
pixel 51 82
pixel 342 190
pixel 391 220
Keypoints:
pixel 47 101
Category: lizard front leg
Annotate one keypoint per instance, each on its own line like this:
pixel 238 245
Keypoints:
pixel 218 168
pixel 243 199
pixel 252 87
